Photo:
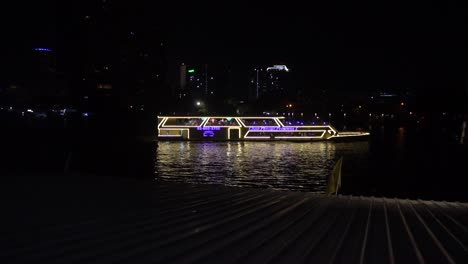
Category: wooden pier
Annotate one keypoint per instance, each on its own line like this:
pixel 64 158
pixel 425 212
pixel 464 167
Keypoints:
pixel 126 221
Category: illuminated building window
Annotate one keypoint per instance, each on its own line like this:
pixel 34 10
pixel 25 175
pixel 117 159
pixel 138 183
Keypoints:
pixel 104 86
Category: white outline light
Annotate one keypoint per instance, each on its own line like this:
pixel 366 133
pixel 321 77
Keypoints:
pixel 231 128
pixel 244 131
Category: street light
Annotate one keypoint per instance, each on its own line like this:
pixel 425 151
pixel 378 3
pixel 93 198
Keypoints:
pixel 198 103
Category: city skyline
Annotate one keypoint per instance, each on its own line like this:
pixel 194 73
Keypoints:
pixel 365 49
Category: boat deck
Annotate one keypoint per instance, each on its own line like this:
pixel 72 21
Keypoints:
pixel 126 221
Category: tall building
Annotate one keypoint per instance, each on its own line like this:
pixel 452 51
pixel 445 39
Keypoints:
pixel 45 60
pixel 271 82
pixel 196 81
pixel 183 78
pixel 44 85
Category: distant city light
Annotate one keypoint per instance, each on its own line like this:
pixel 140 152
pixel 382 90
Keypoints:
pixel 198 103
pixel 278 68
pixel 43 49
pixel 191 70
pixel 402 104
pixel 382 94
pixel 30 111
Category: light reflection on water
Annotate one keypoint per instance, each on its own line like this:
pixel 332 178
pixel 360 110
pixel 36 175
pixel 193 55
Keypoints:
pixel 275 165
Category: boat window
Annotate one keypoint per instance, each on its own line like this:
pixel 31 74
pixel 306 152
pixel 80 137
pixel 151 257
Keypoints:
pixel 184 121
pixel 222 122
pixel 259 122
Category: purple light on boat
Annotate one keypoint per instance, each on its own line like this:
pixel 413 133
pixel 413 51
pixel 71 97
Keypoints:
pixel 209 128
pixel 208 133
pixel 272 128
pixel 43 49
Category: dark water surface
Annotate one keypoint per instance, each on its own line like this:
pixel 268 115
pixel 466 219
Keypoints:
pixel 394 162
pixel 411 162
pixel 276 165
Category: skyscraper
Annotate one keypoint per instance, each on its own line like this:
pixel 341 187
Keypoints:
pixel 182 80
pixel 195 81
pixel 271 82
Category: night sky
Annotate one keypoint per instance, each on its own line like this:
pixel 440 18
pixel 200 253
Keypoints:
pixel 367 46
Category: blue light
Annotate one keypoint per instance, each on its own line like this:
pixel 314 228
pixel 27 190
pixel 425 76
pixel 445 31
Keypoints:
pixel 209 128
pixel 208 134
pixel 43 49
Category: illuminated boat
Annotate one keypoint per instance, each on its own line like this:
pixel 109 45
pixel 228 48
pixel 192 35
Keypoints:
pixel 245 128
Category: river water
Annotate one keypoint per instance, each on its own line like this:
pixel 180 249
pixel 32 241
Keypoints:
pixel 407 162
pixel 276 165
pixel 394 162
